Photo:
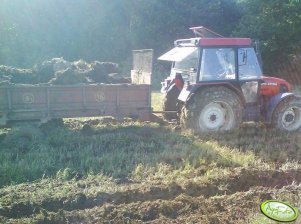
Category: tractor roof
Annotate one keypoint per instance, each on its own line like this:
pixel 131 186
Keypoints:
pixel 220 41
pixel 184 47
pixel 224 41
pixel 207 37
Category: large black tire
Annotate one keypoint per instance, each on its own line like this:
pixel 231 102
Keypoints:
pixel 287 115
pixel 170 101
pixel 213 109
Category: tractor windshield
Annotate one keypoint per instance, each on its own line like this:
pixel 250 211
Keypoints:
pixel 217 64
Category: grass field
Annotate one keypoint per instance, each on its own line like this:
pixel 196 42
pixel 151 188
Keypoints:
pixel 98 170
pixel 157 100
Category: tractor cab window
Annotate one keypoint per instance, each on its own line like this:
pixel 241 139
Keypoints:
pixel 187 67
pixel 248 66
pixel 185 61
pixel 189 61
pixel 217 64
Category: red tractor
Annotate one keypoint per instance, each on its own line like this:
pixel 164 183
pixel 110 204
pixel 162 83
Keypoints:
pixel 216 83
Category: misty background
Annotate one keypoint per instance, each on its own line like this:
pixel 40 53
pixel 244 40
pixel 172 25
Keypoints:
pixel 32 31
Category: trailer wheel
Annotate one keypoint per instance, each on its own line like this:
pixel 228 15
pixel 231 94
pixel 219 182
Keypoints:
pixel 213 109
pixel 170 100
pixel 287 115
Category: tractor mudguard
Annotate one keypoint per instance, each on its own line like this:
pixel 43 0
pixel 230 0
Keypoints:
pixel 274 102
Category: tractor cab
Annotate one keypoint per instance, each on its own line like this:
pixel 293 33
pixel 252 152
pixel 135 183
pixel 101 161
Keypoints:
pixel 207 61
pixel 212 57
pixel 210 62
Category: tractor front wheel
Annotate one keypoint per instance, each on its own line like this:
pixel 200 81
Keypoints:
pixel 287 115
pixel 213 109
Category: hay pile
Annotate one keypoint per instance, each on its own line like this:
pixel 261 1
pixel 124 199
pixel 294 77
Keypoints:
pixel 15 75
pixel 58 71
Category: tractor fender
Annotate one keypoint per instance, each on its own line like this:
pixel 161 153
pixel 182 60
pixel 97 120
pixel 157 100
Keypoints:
pixel 274 102
pixel 186 95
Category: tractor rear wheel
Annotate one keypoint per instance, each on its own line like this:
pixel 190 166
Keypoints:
pixel 287 115
pixel 213 109
pixel 170 100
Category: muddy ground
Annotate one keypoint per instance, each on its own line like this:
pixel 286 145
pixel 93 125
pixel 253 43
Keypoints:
pixel 233 199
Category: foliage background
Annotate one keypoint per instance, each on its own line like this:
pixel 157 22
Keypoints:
pixel 33 30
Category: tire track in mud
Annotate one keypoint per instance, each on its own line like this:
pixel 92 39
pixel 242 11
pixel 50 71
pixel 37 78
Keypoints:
pixel 182 209
pixel 240 181
pixel 233 208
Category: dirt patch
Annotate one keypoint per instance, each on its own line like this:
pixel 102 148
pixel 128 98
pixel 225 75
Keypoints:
pixel 241 181
pixel 182 209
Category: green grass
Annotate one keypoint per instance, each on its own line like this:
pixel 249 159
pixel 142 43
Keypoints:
pixel 112 149
pixel 117 149
pixel 157 100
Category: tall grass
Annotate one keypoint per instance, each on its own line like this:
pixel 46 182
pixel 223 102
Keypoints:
pixel 157 100
pixel 112 149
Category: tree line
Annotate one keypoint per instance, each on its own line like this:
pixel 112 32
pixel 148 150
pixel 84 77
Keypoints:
pixel 107 30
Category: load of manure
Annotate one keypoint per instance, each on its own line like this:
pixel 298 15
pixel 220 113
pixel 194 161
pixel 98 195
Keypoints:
pixel 58 71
